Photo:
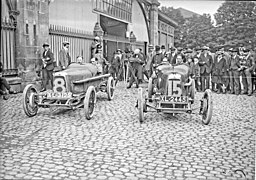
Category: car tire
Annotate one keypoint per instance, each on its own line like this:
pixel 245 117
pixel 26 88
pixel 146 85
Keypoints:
pixel 30 106
pixel 89 102
pixel 207 107
pixel 110 88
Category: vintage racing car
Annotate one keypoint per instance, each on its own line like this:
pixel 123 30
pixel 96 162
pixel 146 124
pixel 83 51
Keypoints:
pixel 73 88
pixel 172 90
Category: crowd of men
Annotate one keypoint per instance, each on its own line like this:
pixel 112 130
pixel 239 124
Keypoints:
pixel 227 70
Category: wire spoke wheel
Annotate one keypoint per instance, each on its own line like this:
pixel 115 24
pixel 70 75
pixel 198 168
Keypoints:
pixel 89 102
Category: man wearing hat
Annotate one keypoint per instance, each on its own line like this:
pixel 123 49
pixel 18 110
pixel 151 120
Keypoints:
pixel 48 66
pixel 179 52
pixel 64 57
pixel 218 71
pixel 171 54
pixel 115 68
pixel 234 72
pixel 95 42
pixel 157 58
pixel 247 66
pixel 136 68
pixel 205 62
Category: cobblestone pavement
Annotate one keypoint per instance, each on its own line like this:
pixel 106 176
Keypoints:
pixel 113 145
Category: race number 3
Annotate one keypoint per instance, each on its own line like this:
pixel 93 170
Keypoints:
pixel 59 85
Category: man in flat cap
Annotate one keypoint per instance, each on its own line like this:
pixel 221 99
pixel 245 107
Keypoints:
pixel 158 57
pixel 48 66
pixel 247 66
pixel 205 62
pixel 64 57
pixel 234 72
pixel 218 71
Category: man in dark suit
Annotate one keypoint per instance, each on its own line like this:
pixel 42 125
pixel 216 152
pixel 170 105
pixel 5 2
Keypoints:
pixel 205 62
pixel 233 68
pixel 218 71
pixel 64 57
pixel 48 66
pixel 246 72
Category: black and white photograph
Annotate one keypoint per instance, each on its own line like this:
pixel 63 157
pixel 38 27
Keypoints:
pixel 127 90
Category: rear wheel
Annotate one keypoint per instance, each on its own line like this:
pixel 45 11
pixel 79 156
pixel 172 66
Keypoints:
pixel 30 100
pixel 89 102
pixel 141 105
pixel 110 88
pixel 207 107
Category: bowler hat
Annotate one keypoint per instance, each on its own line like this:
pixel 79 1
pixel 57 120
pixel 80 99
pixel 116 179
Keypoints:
pixel 157 48
pixel 163 47
pixel 118 50
pixel 46 44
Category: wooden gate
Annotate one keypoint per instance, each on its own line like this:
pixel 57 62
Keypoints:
pixel 8 47
pixel 80 42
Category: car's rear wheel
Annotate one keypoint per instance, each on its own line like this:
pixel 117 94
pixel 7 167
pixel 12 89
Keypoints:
pixel 110 88
pixel 150 89
pixel 89 102
pixel 207 106
pixel 30 100
pixel 141 105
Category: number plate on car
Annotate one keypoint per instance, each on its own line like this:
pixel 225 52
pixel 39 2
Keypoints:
pixel 174 99
pixel 59 95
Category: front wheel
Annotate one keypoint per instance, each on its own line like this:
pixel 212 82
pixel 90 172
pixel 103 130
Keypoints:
pixel 30 100
pixel 206 107
pixel 150 89
pixel 89 102
pixel 110 88
pixel 141 106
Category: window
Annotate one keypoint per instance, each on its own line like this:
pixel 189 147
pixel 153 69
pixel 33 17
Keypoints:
pixel 121 9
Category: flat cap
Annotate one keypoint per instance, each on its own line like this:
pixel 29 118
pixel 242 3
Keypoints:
pixel 46 44
pixel 65 42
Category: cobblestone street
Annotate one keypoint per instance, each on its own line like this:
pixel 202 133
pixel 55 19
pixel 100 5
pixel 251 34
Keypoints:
pixel 114 145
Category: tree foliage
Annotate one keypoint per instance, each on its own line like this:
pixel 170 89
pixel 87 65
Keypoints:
pixel 235 25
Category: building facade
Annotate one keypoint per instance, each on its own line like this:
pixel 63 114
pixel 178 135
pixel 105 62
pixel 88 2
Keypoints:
pixel 27 24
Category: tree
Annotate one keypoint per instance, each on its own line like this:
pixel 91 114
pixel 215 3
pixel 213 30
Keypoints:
pixel 191 32
pixel 236 23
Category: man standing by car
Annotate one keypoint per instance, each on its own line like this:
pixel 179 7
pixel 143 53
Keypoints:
pixel 64 57
pixel 205 62
pixel 48 66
